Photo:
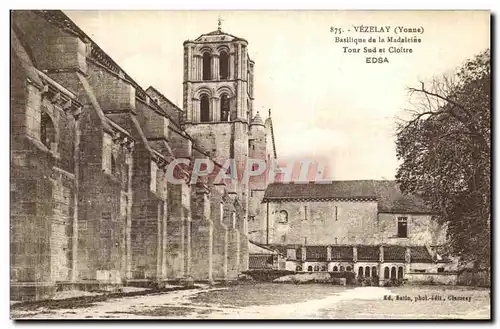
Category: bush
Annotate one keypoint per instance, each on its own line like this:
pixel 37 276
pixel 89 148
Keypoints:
pixel 349 276
pixel 394 282
pixel 475 278
pixel 267 275
pixel 315 277
pixel 367 281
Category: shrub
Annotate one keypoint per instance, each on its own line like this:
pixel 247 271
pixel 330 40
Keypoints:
pixel 349 276
pixel 394 282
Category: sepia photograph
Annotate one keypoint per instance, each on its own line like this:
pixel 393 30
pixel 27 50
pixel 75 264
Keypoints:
pixel 242 165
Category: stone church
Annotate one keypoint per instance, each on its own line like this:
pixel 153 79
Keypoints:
pixel 91 203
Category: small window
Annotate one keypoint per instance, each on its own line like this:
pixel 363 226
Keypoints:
pixel 402 227
pixel 420 271
pixel 323 268
pixel 113 164
pixel 400 272
pixel 335 269
pixel 360 271
pixel 316 268
pixel 298 268
pixel 309 268
pixel 386 273
pixel 305 212
pixel 283 217
pixel 440 269
pixel 374 271
pixel 348 269
pixel 393 272
pixel 367 271
pixel 336 213
pixel 342 269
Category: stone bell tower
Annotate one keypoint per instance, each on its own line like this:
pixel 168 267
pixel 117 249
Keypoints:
pixel 218 94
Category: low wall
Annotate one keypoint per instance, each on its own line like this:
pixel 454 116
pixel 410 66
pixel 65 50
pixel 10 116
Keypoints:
pixel 446 278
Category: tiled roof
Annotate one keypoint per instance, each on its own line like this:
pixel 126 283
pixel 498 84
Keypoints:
pixel 342 253
pixel 260 261
pixel 370 253
pixel 386 192
pixel 255 248
pixel 318 253
pixel 394 253
pixel 420 254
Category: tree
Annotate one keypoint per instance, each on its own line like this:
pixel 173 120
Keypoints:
pixel 445 153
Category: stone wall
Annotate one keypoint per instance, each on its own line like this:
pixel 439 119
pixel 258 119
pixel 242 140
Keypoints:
pixel 329 222
pixel 422 230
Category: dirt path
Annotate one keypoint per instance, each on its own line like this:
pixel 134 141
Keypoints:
pixel 350 303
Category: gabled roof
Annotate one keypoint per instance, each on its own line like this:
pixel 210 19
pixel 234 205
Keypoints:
pixel 386 192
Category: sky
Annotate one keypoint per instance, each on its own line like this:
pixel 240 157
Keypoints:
pixel 325 104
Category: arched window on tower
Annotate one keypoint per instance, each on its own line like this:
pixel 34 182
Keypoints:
pixel 204 108
pixel 47 131
pixel 207 66
pixel 224 66
pixel 224 108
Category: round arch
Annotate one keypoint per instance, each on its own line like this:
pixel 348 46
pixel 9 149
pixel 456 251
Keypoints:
pixel 224 90
pixel 203 90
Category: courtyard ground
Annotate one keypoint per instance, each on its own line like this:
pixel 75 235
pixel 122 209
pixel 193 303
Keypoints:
pixel 279 301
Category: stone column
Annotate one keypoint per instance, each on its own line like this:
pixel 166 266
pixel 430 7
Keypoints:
pixel 240 60
pixel 74 241
pixel 215 110
pixel 215 67
pixel 329 253
pixel 164 240
pixel 198 67
pixel 231 66
pixel 128 227
pixel 381 266
pixel 195 110
pixel 175 232
pixel 355 254
pixel 304 253
pixel 202 231
pixel 189 62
